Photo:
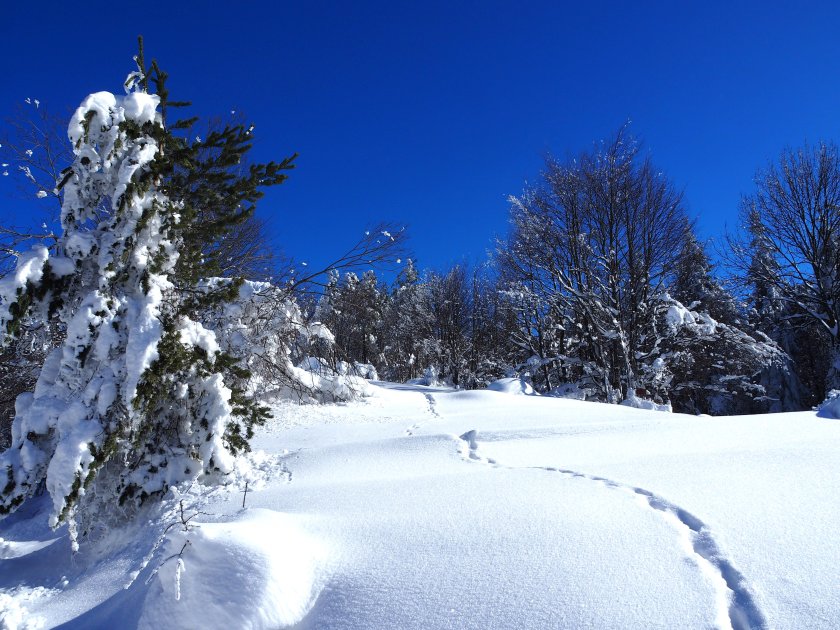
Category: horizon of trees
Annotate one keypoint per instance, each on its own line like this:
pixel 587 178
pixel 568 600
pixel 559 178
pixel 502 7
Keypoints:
pixel 580 297
pixel 602 290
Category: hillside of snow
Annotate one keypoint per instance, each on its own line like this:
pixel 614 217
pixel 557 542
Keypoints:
pixel 427 508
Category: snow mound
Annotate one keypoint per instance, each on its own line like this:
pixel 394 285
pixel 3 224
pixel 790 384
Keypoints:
pixel 11 549
pixel 429 378
pixel 570 391
pixel 516 386
pixel 643 403
pixel 14 609
pixel 830 407
pixel 261 570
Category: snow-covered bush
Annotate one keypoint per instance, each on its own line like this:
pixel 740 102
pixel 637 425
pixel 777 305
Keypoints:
pixel 830 407
pixel 429 378
pixel 716 368
pixel 637 402
pixel 140 395
pixel 568 390
pixel 282 351
pixel 315 381
pixel 362 370
pixel 515 386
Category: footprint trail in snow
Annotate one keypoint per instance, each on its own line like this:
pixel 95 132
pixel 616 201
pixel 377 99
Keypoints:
pixel 432 410
pixel 432 405
pixel 737 609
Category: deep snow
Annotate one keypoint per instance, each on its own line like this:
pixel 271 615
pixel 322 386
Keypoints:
pixel 426 508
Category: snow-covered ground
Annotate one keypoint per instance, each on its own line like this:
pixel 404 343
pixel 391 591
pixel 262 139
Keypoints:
pixel 427 508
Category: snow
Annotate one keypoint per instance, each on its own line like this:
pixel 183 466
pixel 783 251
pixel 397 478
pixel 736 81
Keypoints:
pixel 98 107
pixel 516 386
pixel 830 407
pixel 678 316
pixel 423 507
pixel 143 337
pixel 30 266
pixel 62 266
pixel 141 107
pixel 194 334
pixel 643 403
pixel 276 561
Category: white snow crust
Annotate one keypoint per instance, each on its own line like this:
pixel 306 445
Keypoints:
pixel 422 507
pixel 273 561
pixel 516 386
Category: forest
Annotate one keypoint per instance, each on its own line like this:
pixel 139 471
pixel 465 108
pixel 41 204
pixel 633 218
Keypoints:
pixel 601 290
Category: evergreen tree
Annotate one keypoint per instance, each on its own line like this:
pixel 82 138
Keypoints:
pixel 407 327
pixel 139 396
pixel 450 306
pixel 352 308
pixel 492 329
pixel 777 316
pixel 762 277
pixel 792 242
pixel 719 369
pixel 696 287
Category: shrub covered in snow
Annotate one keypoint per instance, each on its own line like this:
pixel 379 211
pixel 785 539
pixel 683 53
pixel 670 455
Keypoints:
pixel 515 386
pixel 429 378
pixel 717 368
pixel 830 407
pixel 281 350
pixel 637 402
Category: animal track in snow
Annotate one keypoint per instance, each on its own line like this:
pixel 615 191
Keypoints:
pixel 737 609
pixel 432 405
pixel 431 408
pixel 470 448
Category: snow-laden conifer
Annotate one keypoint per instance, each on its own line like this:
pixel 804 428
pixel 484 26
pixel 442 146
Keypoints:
pixel 140 396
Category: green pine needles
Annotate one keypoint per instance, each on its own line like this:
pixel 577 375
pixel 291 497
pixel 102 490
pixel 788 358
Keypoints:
pixel 141 395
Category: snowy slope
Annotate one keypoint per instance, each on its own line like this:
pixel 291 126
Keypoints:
pixel 426 508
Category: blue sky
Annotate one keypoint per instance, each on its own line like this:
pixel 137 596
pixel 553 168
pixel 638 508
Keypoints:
pixel 430 114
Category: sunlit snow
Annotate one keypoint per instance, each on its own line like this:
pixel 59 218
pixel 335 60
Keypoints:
pixel 423 507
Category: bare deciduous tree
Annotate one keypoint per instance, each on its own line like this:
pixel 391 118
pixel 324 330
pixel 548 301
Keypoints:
pixel 792 242
pixel 33 153
pixel 592 245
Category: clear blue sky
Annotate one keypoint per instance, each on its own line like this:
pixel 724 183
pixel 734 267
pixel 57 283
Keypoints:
pixel 432 113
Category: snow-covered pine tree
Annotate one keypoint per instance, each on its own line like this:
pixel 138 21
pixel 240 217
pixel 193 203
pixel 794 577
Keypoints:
pixel 774 314
pixel 793 219
pixel 718 368
pixel 407 326
pixel 450 307
pixel 696 286
pixel 139 396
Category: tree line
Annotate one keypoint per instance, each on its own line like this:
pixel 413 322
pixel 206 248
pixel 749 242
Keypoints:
pixel 603 291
